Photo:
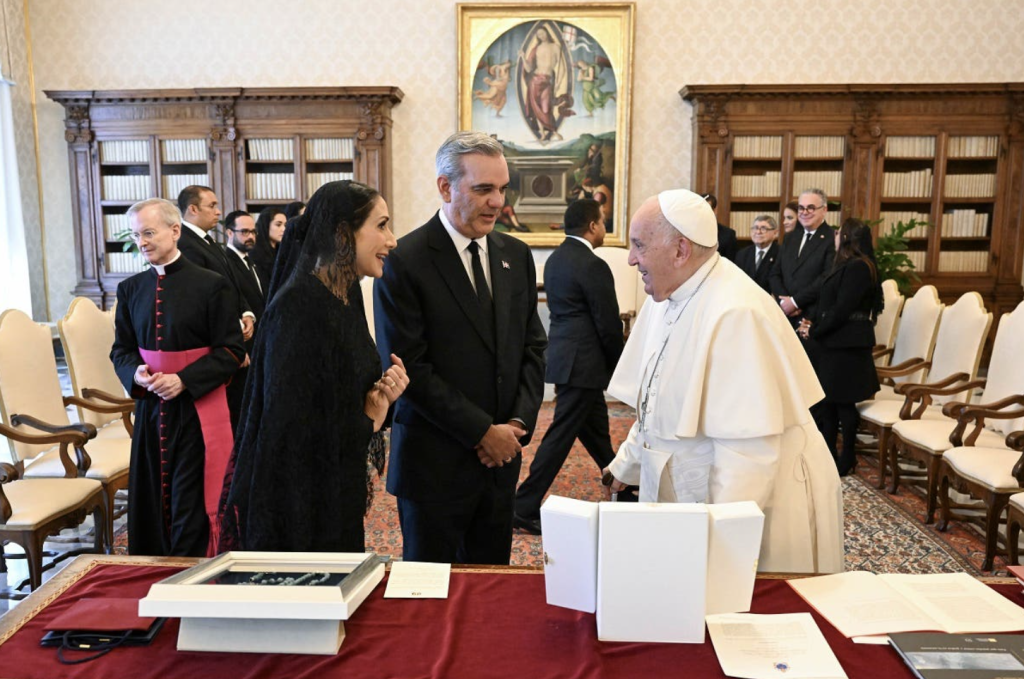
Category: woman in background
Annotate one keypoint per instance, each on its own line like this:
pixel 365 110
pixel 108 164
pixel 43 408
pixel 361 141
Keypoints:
pixel 840 339
pixel 269 232
pixel 789 220
pixel 316 401
pixel 294 209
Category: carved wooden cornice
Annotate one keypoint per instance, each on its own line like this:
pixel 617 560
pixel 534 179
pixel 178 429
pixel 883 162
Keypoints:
pixel 231 95
pixel 225 129
pixel 866 126
pixel 374 121
pixel 700 92
pixel 77 123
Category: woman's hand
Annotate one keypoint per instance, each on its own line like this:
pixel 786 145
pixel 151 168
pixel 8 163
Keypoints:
pixel 385 391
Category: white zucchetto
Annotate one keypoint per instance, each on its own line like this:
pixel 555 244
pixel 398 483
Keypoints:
pixel 690 215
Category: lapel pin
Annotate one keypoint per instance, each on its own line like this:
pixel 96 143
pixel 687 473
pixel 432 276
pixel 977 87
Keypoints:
pixel 505 265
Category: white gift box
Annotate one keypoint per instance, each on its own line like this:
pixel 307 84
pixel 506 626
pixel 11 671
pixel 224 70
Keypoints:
pixel 570 552
pixel 652 570
pixel 733 549
pixel 261 611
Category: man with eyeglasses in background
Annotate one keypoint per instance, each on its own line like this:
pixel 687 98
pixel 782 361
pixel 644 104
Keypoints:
pixel 240 228
pixel 804 258
pixel 757 259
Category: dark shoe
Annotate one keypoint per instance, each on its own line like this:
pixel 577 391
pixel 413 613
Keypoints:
pixel 531 526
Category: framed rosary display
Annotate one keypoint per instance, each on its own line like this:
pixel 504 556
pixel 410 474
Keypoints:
pixel 266 601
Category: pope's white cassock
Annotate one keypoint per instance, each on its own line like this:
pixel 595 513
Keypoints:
pixel 723 389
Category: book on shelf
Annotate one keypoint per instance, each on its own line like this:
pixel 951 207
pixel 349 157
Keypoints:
pixel 757 147
pixel 973 147
pixel 964 223
pixel 914 184
pixel 270 186
pixel 329 149
pixel 125 262
pixel 970 185
pixel 271 150
pixel 890 218
pixel 917 258
pixel 314 180
pixel 114 226
pixel 175 183
pixel 125 187
pixel 819 147
pixel 961 656
pixel 741 220
pixel 910 147
pixel 184 150
pixel 124 151
pixel 859 603
pixel 831 182
pixel 960 261
pixel 768 184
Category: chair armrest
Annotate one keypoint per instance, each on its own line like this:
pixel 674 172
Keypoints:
pixel 995 411
pixel 1015 440
pixel 98 395
pixel 946 387
pixel 903 368
pixel 63 438
pixel 84 428
pixel 8 473
pixel 99 407
pixel 880 352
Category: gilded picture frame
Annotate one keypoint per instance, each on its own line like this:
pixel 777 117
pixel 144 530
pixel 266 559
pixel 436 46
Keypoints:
pixel 553 83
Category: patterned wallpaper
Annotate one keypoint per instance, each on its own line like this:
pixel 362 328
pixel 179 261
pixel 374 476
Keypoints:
pixel 111 44
pixel 14 45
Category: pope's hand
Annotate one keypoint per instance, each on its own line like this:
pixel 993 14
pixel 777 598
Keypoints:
pixel 611 484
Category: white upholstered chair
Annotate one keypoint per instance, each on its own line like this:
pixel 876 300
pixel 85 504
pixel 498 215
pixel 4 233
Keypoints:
pixel 958 348
pixel 87 335
pixel 927 439
pixel 628 289
pixel 888 321
pixel 32 509
pixel 30 394
pixel 914 343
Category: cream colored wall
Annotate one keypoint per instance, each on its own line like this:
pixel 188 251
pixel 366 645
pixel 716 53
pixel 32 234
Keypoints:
pixel 112 44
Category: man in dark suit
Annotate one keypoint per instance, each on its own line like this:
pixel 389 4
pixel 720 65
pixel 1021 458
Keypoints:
pixel 200 212
pixel 804 258
pixel 757 259
pixel 240 228
pixel 585 343
pixel 727 243
pixel 458 301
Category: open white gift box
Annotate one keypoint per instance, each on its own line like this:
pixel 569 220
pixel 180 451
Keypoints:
pixel 266 602
pixel 651 571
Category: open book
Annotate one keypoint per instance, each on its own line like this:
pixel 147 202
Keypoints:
pixel 859 603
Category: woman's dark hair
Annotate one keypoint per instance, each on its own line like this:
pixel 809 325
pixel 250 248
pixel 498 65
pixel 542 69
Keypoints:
pixel 263 228
pixel 855 243
pixel 293 208
pixel 794 206
pixel 322 240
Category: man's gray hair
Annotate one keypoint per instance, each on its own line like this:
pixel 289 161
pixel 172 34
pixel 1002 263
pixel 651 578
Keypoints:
pixel 168 211
pixel 766 218
pixel 449 157
pixel 819 193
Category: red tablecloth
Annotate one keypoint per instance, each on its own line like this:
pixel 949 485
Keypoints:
pixel 492 625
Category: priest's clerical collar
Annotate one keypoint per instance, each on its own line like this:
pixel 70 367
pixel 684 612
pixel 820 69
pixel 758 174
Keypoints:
pixel 461 242
pixel 161 269
pixel 684 291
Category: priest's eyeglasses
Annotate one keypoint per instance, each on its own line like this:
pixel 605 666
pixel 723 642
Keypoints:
pixel 808 208
pixel 146 235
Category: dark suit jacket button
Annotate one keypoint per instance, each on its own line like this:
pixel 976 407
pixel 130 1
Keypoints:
pixel 499 379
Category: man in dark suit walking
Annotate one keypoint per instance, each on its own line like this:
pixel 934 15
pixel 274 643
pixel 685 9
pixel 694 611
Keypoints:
pixel 585 343
pixel 240 228
pixel 458 301
pixel 200 211
pixel 806 255
pixel 757 259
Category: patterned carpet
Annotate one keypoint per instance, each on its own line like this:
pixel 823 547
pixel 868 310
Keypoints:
pixel 884 533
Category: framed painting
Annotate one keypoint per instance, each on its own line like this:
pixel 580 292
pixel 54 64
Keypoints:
pixel 552 83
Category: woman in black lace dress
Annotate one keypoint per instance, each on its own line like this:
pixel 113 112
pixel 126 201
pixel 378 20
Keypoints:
pixel 316 399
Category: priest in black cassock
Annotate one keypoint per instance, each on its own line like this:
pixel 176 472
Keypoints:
pixel 177 342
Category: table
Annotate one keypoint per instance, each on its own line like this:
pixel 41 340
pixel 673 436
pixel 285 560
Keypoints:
pixel 495 623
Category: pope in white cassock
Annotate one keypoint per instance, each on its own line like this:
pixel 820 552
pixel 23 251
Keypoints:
pixel 722 389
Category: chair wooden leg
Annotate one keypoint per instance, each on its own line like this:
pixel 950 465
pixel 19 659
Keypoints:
pixel 1012 536
pixel 109 491
pixel 34 557
pixel 101 519
pixel 883 445
pixel 992 516
pixel 944 497
pixel 932 488
pixel 893 453
pixel 3 558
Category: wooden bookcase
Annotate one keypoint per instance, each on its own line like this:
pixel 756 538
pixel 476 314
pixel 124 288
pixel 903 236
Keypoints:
pixel 951 155
pixel 255 147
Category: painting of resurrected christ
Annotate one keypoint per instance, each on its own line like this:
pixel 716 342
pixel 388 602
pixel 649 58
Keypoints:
pixel 548 90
